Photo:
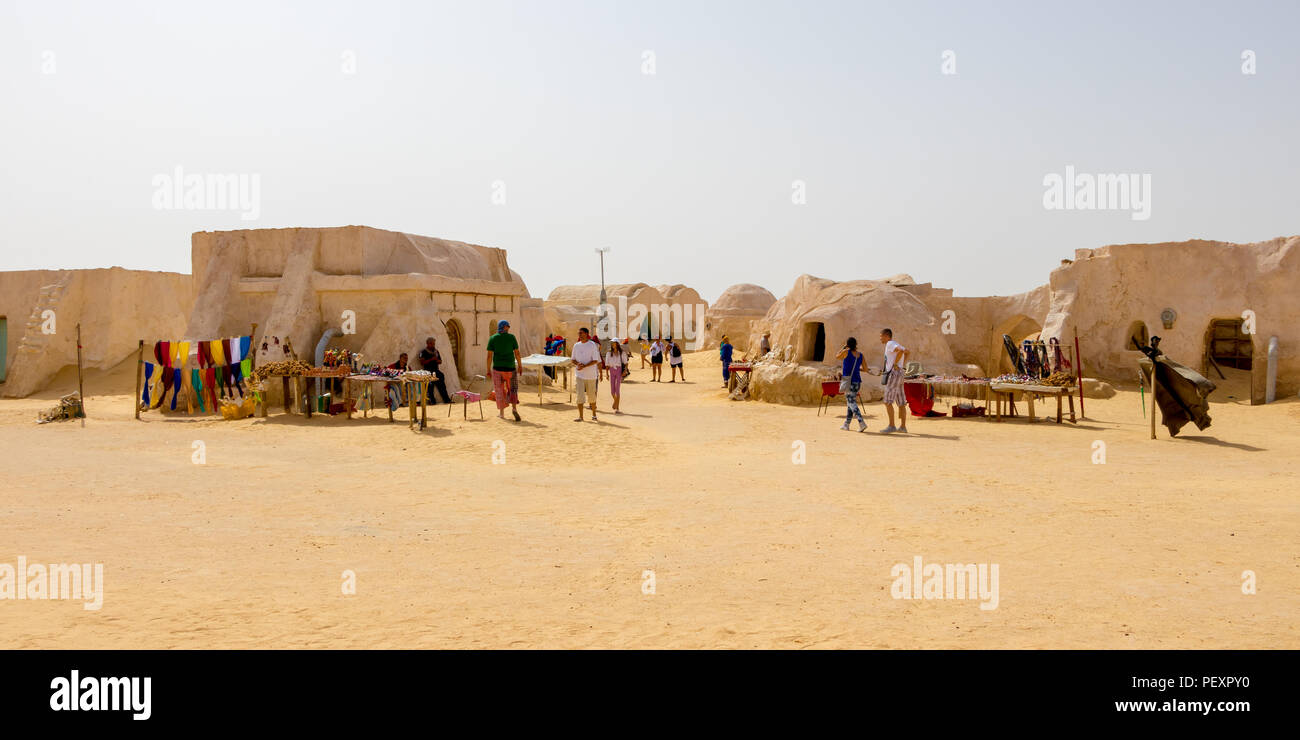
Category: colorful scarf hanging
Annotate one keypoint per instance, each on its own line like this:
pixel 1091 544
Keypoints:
pixel 218 357
pixel 245 344
pixel 158 353
pixel 177 382
pixel 196 380
pixel 210 383
pixel 149 369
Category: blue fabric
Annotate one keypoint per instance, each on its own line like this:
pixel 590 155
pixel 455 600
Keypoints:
pixel 726 351
pixel 851 367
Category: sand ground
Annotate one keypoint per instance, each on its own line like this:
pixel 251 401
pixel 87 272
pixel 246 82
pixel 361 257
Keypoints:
pixel 748 549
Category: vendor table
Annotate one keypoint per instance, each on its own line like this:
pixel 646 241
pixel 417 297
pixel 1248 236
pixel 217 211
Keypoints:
pixel 976 390
pixel 367 391
pixel 733 369
pixel 1006 392
pixel 559 362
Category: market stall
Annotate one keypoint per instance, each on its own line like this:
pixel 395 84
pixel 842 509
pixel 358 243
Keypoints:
pixel 552 361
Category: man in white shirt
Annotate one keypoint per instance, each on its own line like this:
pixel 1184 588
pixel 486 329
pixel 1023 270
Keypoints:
pixel 586 358
pixel 895 364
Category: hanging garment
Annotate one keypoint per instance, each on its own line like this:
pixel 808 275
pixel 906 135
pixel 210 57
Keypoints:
pixel 1013 353
pixel 218 356
pixel 225 350
pixel 1060 362
pixel 210 384
pixel 182 355
pixel 149 370
pixel 232 351
pixel 196 380
pixel 245 344
pixel 158 354
pixel 1181 392
pixel 1028 358
pixel 177 382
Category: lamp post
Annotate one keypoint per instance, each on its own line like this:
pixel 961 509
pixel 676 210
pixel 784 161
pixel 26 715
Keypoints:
pixel 603 311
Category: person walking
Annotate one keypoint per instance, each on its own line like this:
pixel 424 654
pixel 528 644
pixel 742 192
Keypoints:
pixel 675 359
pixel 586 358
pixel 895 362
pixel 725 351
pixel 431 361
pixel 616 360
pixel 503 358
pixel 657 361
pixel 851 382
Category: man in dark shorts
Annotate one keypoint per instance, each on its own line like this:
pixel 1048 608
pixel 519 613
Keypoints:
pixel 657 360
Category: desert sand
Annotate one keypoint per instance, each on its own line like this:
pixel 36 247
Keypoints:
pixel 748 549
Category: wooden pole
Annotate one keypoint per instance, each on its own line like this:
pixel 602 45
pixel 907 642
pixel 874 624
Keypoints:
pixel 139 377
pixel 1078 368
pixel 1153 398
pixel 81 391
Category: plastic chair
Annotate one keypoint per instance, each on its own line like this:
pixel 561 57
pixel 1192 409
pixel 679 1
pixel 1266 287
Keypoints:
pixel 466 396
pixel 830 390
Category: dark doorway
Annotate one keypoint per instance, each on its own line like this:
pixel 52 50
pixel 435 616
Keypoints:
pixel 1228 345
pixel 815 341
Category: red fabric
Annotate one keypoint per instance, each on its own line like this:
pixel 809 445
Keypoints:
pixel 918 398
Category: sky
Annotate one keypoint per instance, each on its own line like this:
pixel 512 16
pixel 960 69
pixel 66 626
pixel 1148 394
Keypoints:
pixel 706 143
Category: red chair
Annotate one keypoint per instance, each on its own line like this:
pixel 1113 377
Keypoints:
pixel 830 389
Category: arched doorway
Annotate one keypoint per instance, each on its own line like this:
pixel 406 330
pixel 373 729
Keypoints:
pixel 456 336
pixel 1229 358
pixel 1018 328
pixel 814 341
pixel 1137 335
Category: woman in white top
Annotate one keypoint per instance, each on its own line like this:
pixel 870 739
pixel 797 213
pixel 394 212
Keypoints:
pixel 615 361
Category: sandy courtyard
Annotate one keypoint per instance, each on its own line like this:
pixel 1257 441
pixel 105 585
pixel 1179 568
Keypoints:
pixel 748 549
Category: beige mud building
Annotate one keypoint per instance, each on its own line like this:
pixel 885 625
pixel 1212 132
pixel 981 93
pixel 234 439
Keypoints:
pixel 376 292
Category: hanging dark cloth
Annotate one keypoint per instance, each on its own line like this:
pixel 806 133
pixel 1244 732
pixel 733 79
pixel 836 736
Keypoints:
pixel 1181 392
pixel 1014 353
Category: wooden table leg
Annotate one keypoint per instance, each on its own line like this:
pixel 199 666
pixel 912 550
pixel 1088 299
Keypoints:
pixel 347 396
pixel 1058 408
pixel 1071 397
pixel 1029 399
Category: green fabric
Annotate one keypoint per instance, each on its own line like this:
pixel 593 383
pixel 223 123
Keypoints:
pixel 502 347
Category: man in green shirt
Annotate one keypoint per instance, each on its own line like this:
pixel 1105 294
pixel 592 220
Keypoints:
pixel 503 359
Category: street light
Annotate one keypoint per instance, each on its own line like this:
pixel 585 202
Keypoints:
pixel 603 311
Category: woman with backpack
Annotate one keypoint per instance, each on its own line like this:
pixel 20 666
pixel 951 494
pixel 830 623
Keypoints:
pixel 851 382
pixel 675 359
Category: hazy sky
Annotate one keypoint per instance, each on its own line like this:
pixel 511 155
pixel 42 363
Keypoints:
pixel 688 173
